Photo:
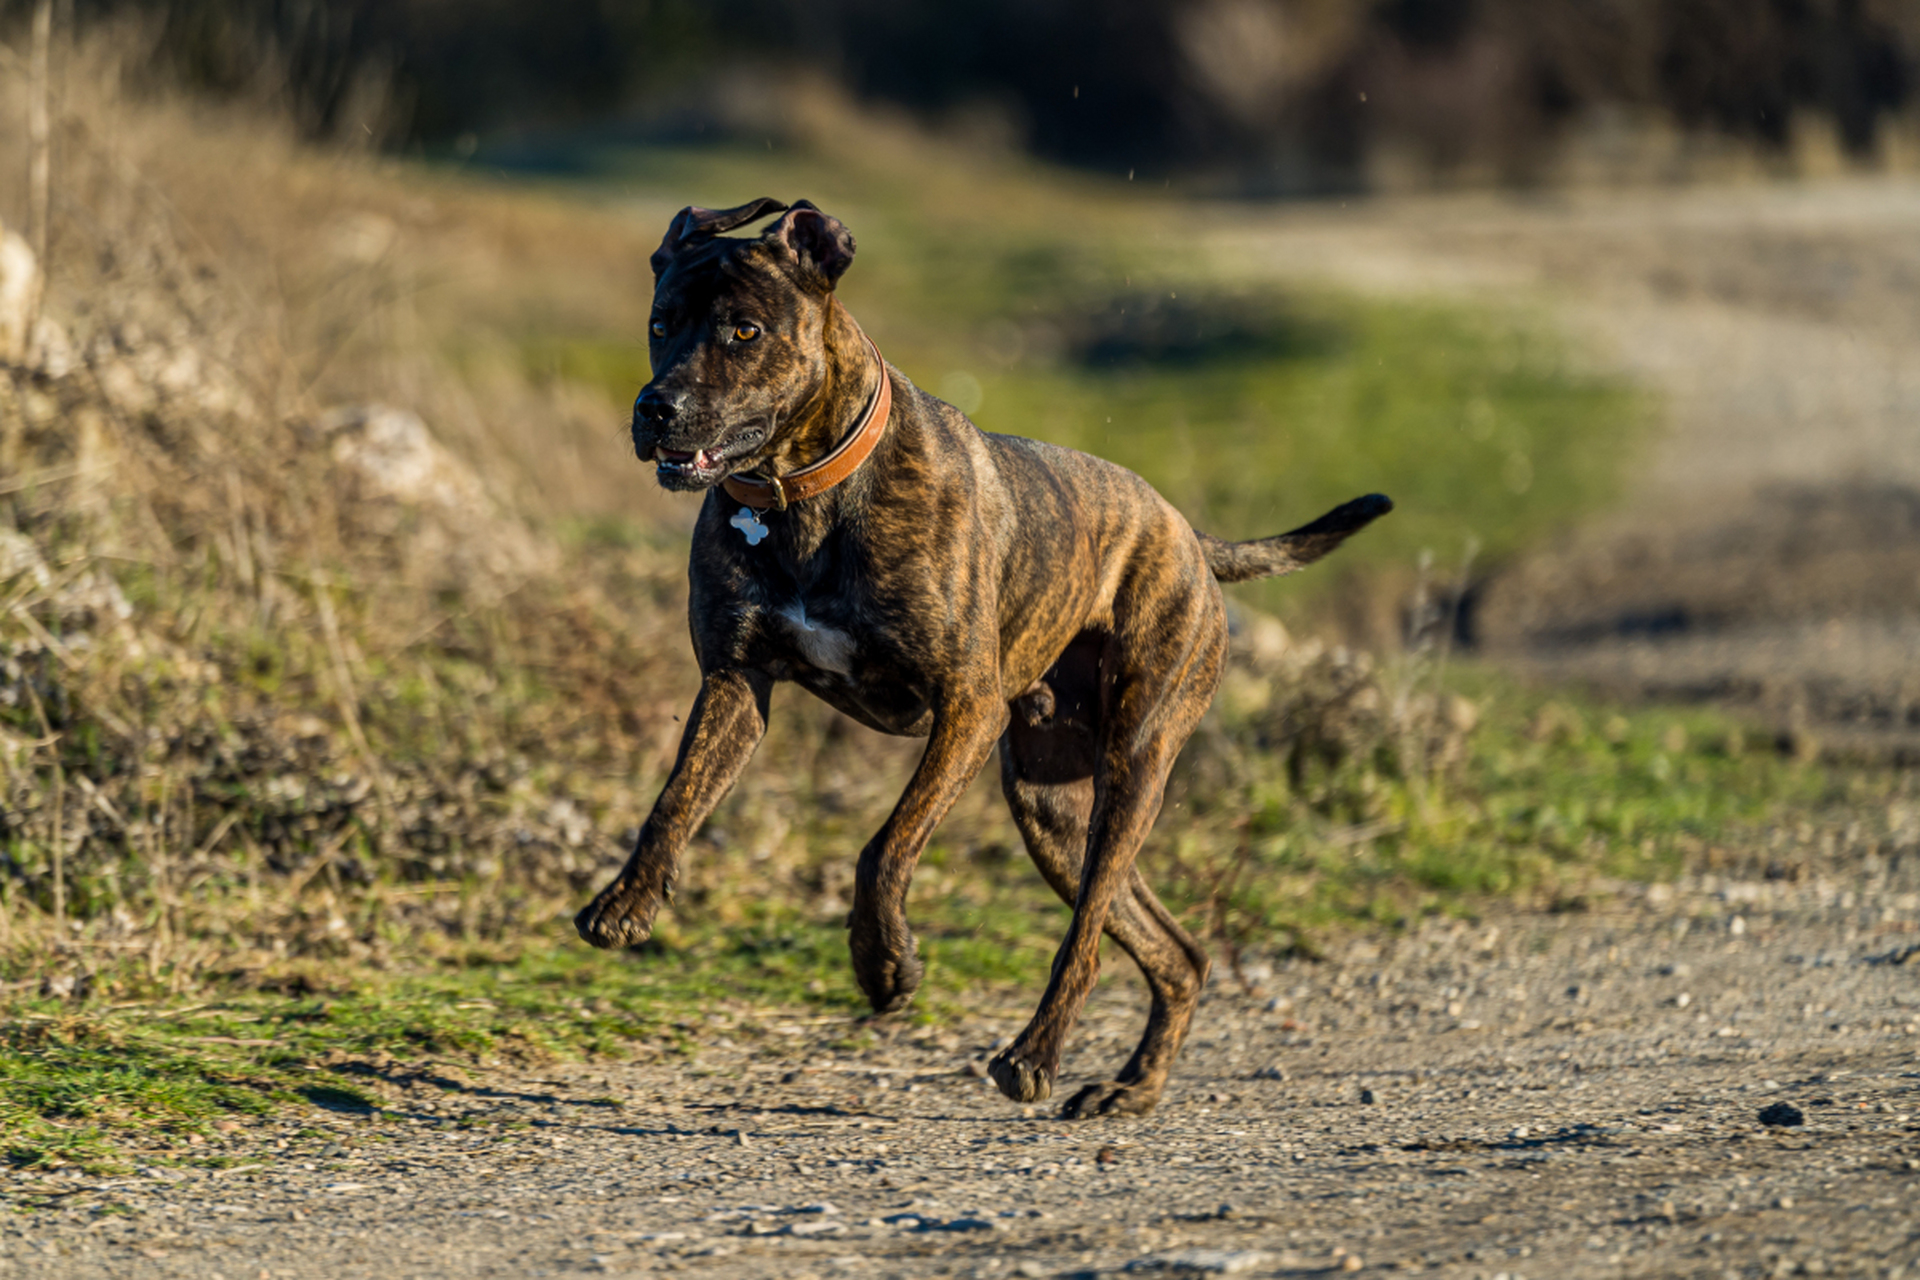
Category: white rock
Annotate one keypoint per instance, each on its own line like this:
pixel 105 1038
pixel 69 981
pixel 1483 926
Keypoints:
pixel 391 451
pixel 389 460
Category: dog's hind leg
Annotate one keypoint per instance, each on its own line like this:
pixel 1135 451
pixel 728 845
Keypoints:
pixel 1152 682
pixel 1176 967
pixel 1052 817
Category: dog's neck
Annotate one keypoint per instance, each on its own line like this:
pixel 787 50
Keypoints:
pixel 836 405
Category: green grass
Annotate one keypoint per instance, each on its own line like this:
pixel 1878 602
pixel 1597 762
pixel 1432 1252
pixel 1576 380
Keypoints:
pixel 69 1085
pixel 1552 796
pixel 99 1086
pixel 1473 424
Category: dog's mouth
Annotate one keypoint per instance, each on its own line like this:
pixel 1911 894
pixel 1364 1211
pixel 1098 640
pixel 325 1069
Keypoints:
pixel 700 468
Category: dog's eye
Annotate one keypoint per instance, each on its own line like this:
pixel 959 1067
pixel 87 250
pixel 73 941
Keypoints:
pixel 745 332
pixel 657 329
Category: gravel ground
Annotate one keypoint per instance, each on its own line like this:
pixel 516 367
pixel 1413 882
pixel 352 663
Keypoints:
pixel 1552 1094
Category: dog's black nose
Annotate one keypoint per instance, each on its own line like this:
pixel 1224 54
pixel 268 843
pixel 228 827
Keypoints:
pixel 656 409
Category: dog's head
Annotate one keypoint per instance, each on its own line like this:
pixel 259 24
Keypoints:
pixel 736 337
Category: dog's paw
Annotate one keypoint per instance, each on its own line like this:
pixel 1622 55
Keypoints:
pixel 620 915
pixel 1110 1098
pixel 1020 1077
pixel 886 959
pixel 890 980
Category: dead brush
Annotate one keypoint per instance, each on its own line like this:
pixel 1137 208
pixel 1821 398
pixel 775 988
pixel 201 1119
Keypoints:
pixel 282 674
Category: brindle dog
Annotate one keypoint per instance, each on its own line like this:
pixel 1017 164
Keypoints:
pixel 973 589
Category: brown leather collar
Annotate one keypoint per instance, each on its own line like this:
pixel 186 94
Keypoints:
pixel 812 481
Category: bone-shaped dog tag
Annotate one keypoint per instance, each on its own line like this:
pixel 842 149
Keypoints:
pixel 748 523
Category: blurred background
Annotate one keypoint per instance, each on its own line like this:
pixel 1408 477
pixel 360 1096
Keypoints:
pixel 339 623
pixel 1245 96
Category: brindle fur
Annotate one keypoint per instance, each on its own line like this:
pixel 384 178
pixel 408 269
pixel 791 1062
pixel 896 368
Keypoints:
pixel 973 589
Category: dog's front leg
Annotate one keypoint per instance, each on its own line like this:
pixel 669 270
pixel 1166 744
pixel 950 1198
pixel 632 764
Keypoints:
pixel 727 722
pixel 884 954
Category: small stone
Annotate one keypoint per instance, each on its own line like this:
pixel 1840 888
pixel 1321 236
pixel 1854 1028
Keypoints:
pixel 1106 1155
pixel 1351 1262
pixel 1367 1098
pixel 1784 1202
pixel 1782 1113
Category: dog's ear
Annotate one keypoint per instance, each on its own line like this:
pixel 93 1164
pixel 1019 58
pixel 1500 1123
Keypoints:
pixel 820 243
pixel 694 222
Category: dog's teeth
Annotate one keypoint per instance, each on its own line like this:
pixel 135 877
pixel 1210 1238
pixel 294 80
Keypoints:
pixel 701 460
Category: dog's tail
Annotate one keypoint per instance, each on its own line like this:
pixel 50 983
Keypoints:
pixel 1285 552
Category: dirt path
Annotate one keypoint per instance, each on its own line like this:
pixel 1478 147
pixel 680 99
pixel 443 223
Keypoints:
pixel 1535 1095
pixel 1768 550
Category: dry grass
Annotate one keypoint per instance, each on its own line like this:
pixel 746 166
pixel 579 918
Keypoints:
pixel 275 653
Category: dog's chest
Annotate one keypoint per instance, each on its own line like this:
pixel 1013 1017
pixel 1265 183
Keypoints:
pixel 823 645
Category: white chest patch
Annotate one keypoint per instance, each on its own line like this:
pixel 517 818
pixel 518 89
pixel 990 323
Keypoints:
pixel 826 647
